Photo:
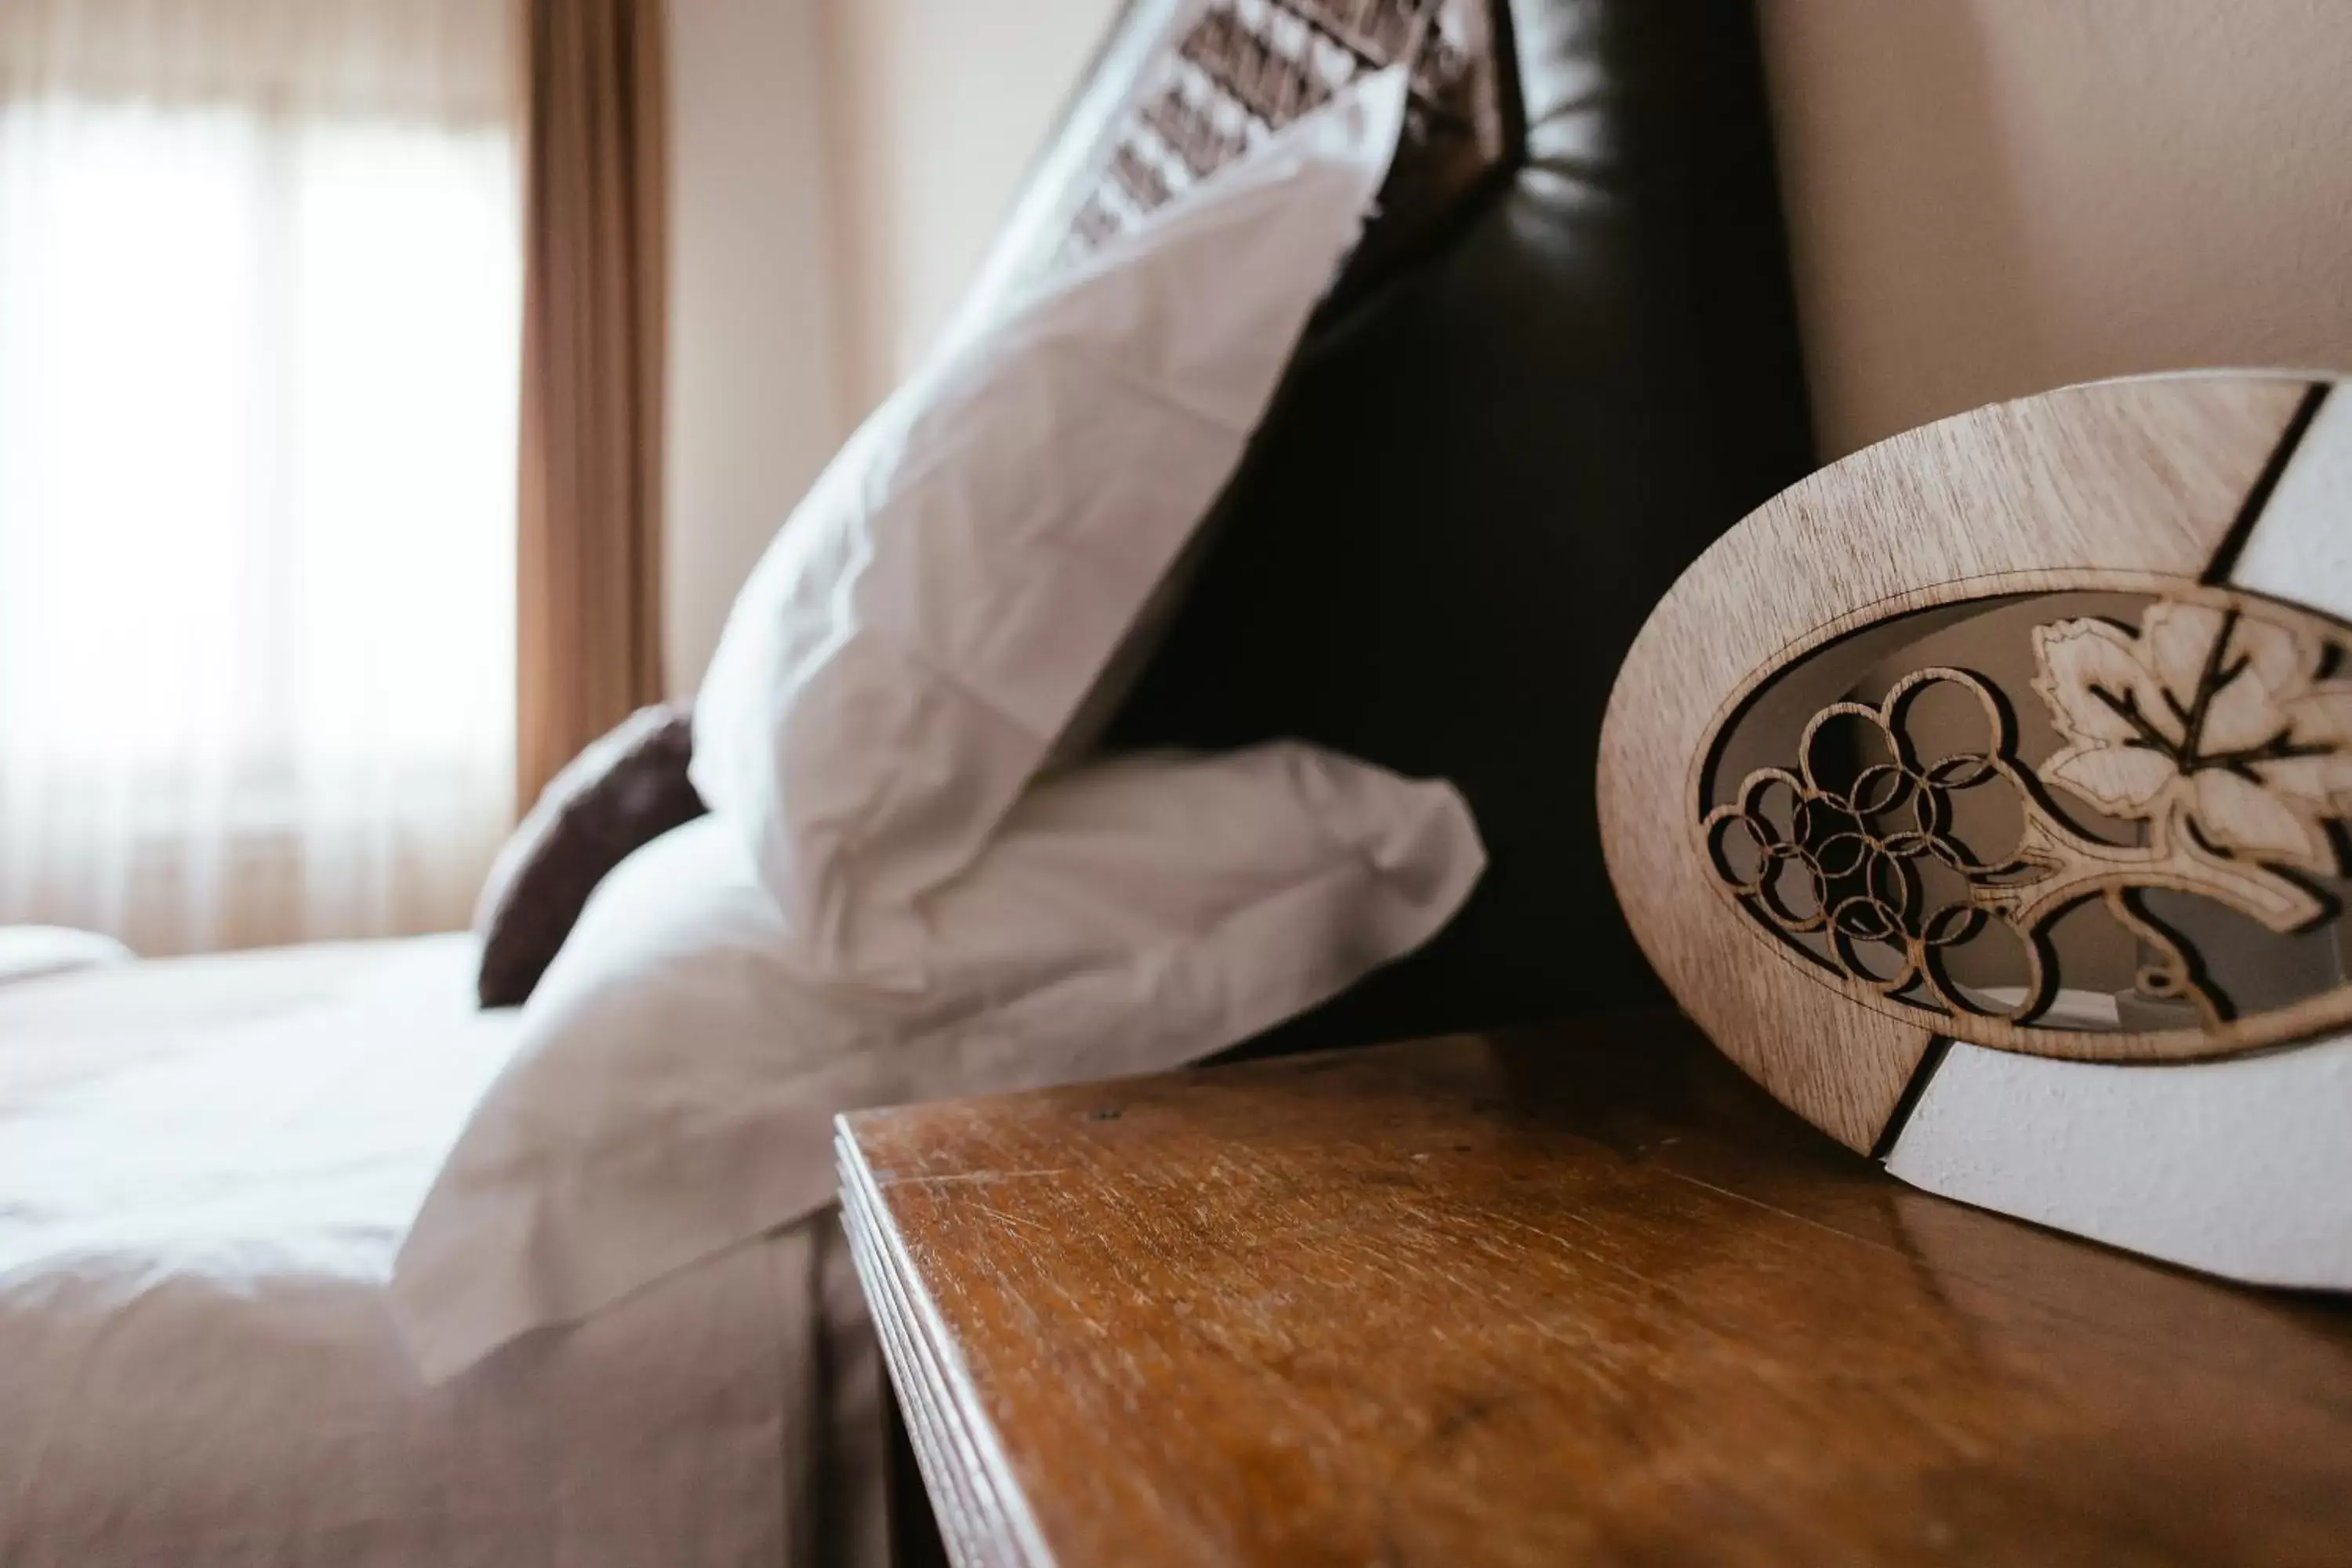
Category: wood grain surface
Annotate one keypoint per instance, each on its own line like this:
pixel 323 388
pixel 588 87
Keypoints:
pixel 2139 480
pixel 1579 1295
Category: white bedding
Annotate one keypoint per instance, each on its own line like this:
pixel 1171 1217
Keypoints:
pixel 206 1167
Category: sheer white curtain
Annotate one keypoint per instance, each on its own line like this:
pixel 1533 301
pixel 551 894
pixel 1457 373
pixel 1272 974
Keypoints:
pixel 259 306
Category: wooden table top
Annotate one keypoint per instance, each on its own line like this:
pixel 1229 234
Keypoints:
pixel 1576 1295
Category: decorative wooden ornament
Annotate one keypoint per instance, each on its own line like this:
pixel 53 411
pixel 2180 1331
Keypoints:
pixel 1991 772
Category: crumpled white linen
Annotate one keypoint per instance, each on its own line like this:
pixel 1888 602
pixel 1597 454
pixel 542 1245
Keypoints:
pixel 926 625
pixel 680 1066
pixel 205 1168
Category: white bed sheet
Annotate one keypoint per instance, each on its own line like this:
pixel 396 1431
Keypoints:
pixel 205 1168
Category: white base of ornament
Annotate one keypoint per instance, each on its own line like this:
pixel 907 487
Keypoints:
pixel 2241 1168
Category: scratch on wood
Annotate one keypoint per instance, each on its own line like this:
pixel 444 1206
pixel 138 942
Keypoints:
pixel 963 1177
pixel 1775 1209
pixel 1013 1218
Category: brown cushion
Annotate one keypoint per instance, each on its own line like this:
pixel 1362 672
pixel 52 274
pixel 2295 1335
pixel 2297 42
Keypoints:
pixel 626 789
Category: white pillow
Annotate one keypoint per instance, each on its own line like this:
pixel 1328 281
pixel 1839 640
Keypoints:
pixel 35 952
pixel 677 1073
pixel 903 658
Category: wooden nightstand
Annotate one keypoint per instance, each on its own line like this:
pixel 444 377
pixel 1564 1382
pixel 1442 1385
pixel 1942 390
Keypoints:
pixel 1577 1295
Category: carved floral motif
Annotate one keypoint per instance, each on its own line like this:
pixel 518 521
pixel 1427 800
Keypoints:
pixel 2207 715
pixel 2223 731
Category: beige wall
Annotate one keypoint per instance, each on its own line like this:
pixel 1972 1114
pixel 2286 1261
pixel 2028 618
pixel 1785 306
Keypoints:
pixel 838 167
pixel 1993 196
pixel 937 107
pixel 1988 197
pixel 756 402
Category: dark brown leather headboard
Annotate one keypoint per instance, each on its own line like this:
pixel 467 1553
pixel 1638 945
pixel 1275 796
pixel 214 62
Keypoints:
pixel 1571 365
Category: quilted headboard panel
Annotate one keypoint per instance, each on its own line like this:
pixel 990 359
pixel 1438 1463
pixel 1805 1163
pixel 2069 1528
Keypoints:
pixel 1568 364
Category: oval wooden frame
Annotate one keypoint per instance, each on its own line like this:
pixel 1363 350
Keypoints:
pixel 2141 485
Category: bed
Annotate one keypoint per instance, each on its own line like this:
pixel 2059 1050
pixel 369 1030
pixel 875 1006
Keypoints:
pixel 207 1166
pixel 1562 362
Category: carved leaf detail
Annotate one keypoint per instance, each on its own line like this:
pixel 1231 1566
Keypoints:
pixel 2323 716
pixel 2244 711
pixel 2241 815
pixel 2081 658
pixel 2118 780
pixel 2213 712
